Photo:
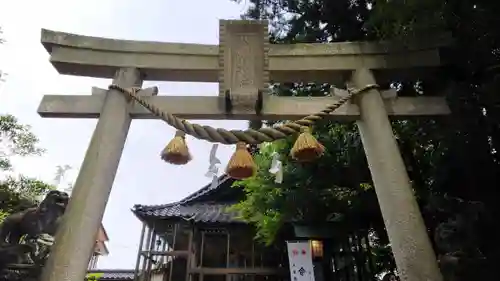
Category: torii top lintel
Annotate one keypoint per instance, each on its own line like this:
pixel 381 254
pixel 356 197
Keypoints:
pixel 317 62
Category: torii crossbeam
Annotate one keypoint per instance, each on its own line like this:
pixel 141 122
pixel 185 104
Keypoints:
pixel 244 63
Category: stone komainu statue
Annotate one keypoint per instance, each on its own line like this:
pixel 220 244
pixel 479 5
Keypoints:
pixel 30 224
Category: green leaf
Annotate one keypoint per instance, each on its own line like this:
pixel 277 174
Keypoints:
pixel 18 139
pixel 94 276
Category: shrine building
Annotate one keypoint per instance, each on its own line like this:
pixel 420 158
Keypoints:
pixel 199 238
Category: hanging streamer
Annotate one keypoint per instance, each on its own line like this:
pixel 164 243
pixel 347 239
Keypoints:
pixel 276 168
pixel 213 161
pixel 213 169
pixel 215 182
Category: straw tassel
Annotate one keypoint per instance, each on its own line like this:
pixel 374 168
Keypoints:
pixel 306 147
pixel 177 152
pixel 241 164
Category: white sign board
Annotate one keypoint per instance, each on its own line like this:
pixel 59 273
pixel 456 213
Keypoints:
pixel 300 258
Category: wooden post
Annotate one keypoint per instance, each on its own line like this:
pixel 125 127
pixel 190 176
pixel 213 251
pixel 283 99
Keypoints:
pixel 173 249
pixel 163 259
pixel 149 256
pixel 228 245
pixel 201 254
pixel 75 237
pixel 190 255
pixel 139 251
pixel 145 254
pixel 407 233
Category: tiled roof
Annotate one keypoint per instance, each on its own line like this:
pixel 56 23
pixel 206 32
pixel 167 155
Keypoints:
pixel 193 207
pixel 113 275
pixel 198 212
pixel 223 181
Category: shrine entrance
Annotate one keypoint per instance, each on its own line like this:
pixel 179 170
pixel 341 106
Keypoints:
pixel 244 64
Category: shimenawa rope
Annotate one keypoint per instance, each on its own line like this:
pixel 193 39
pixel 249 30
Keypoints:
pixel 249 136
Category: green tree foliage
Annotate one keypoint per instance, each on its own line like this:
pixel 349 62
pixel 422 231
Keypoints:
pixel 327 190
pixel 21 192
pixel 17 139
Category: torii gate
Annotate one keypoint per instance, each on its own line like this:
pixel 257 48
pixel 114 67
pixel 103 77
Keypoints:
pixel 243 63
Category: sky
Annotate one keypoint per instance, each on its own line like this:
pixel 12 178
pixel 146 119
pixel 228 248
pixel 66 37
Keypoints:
pixel 142 177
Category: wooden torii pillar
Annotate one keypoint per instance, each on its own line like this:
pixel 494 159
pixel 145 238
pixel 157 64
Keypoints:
pixel 244 47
